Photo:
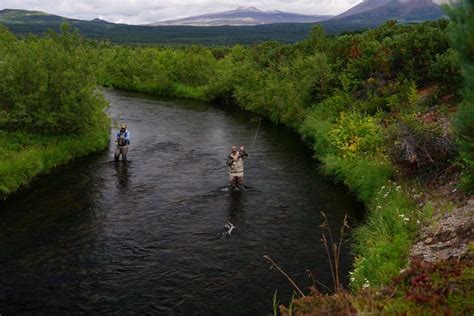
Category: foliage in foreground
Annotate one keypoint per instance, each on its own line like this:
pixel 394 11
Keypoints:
pixel 423 288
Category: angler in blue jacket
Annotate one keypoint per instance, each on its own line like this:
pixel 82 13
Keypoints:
pixel 123 140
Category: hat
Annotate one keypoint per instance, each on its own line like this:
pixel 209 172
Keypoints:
pixel 234 148
pixel 124 126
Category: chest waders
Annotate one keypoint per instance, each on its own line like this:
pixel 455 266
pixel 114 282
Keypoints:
pixel 122 148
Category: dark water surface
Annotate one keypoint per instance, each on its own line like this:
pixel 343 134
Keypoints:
pixel 96 237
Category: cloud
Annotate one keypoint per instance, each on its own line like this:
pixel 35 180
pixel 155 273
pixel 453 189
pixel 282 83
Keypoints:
pixel 149 11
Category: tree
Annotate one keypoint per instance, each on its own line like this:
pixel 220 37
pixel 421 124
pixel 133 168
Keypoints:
pixel 463 40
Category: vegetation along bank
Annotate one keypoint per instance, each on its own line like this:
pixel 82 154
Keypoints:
pixel 50 109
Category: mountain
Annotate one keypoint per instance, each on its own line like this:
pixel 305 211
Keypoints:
pixel 372 13
pixel 38 18
pixel 400 10
pixel 365 5
pixel 10 16
pixel 244 16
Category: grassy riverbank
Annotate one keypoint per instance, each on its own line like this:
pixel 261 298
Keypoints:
pixel 26 156
pixel 50 109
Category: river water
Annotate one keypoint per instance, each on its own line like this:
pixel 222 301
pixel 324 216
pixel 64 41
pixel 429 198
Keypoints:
pixel 96 237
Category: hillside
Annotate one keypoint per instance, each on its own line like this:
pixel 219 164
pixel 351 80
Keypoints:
pixel 372 13
pixel 409 11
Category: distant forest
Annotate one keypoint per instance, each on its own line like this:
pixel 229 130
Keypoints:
pixel 22 24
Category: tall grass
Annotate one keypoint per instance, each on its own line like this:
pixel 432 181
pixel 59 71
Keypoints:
pixel 30 155
pixel 382 244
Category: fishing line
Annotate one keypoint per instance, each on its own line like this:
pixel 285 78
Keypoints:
pixel 256 133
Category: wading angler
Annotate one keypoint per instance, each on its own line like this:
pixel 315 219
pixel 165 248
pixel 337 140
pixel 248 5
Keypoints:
pixel 235 161
pixel 123 141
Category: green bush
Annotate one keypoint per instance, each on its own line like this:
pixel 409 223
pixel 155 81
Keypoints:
pixel 355 134
pixel 51 110
pixel 319 122
pixel 48 86
pixel 445 70
pixel 412 52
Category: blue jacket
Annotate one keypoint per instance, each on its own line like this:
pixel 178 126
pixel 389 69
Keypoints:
pixel 125 135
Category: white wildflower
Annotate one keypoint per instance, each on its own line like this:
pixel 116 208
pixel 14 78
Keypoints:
pixel 404 218
pixel 366 284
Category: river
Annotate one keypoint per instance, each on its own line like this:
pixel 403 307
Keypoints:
pixel 97 237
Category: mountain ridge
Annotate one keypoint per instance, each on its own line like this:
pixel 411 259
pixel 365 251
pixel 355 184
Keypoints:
pixel 362 7
pixel 400 10
pixel 243 16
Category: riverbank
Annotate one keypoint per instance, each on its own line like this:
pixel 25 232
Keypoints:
pixel 26 155
pixel 438 276
pixel 50 108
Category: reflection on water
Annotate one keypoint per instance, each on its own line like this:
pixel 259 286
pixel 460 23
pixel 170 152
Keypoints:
pixel 121 168
pixel 97 237
pixel 236 206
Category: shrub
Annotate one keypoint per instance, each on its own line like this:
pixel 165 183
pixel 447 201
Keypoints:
pixel 418 144
pixel 355 134
pixel 445 70
pixel 319 121
pixel 48 85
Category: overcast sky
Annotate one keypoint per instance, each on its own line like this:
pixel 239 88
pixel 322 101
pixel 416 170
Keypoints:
pixel 148 11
